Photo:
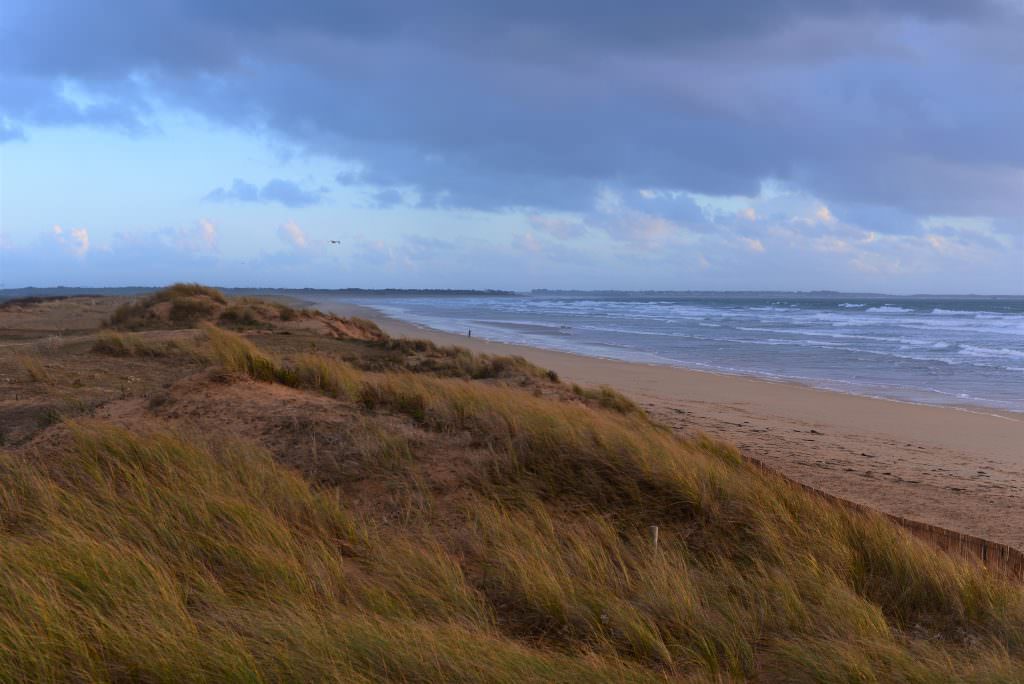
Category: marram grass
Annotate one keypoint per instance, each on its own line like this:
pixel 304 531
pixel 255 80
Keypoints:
pixel 150 555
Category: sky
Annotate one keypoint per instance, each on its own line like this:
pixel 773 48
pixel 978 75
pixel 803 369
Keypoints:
pixel 856 145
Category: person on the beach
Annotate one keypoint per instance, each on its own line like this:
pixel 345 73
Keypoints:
pixel 469 333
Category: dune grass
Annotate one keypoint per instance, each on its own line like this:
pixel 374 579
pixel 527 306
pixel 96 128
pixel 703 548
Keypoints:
pixel 185 290
pixel 149 557
pixel 189 303
pixel 160 556
pixel 746 554
pixel 132 344
pixel 607 397
pixel 33 367
pixel 238 355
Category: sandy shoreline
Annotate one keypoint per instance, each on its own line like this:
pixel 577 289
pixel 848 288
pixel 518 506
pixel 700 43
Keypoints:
pixel 957 469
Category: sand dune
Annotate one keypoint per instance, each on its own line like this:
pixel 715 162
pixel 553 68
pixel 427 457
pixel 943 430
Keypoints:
pixel 959 469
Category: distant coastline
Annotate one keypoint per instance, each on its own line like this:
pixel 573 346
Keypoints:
pixel 131 291
pixel 62 291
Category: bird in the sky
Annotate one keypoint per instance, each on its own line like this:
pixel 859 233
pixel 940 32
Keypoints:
pixel 335 242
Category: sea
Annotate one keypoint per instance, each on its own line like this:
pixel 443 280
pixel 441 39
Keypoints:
pixel 960 351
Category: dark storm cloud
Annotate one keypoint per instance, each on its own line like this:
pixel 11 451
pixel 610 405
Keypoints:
pixel 276 190
pixel 913 106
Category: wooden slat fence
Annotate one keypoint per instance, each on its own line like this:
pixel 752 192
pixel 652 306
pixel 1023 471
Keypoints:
pixel 999 558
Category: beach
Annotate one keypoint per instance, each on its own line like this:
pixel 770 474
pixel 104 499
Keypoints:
pixel 954 467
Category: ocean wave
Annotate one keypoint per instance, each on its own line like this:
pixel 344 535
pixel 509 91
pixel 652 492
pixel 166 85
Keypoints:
pixel 886 308
pixel 847 305
pixel 972 350
pixel 961 312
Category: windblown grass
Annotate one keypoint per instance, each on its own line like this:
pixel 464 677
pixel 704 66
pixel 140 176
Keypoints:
pixel 459 362
pixel 148 557
pixel 753 574
pixel 368 327
pixel 184 290
pixel 327 375
pixel 130 344
pixel 608 397
pixel 189 303
pixel 33 367
pixel 238 355
pixel 161 556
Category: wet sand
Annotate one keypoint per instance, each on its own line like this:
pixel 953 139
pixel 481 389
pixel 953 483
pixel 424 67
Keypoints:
pixel 956 468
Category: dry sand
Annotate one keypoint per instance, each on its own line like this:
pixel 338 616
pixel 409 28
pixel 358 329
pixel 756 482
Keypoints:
pixel 958 469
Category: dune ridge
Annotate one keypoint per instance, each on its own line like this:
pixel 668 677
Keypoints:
pixel 272 503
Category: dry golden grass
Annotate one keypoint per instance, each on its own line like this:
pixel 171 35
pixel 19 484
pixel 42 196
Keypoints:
pixel 238 355
pixel 33 367
pixel 131 344
pixel 180 290
pixel 148 557
pixel 607 397
pixel 187 304
pixel 161 556
pixel 327 375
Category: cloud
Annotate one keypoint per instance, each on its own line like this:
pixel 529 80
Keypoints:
pixel 276 190
pixel 291 234
pixel 208 232
pixel 561 227
pixel 823 215
pixel 386 198
pixel 75 240
pixel 289 194
pixel 881 106
pixel 753 244
pixel 201 237
pixel 10 133
pixel 240 191
pixel 528 243
pixel 841 133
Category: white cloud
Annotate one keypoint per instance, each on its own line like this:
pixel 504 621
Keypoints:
pixel 208 231
pixel 830 243
pixel 528 242
pixel 200 237
pixel 75 240
pixel 753 244
pixel 292 234
pixel 824 215
pixel 560 227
